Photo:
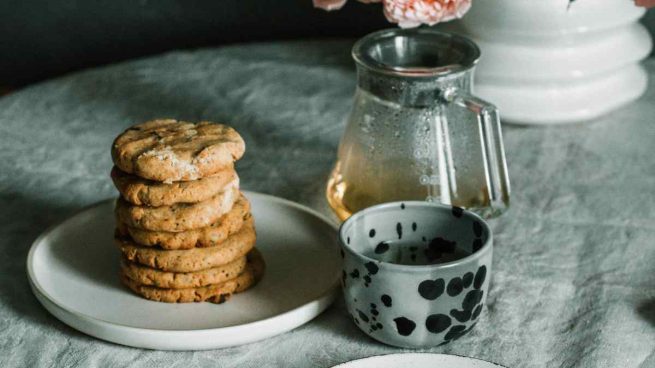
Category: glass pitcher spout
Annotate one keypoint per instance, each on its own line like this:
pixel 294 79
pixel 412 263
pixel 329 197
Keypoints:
pixel 416 132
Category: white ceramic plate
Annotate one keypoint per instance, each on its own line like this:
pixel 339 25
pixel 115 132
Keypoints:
pixel 418 360
pixel 73 270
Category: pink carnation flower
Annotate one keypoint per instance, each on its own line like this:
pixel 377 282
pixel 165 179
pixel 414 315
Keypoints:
pixel 412 13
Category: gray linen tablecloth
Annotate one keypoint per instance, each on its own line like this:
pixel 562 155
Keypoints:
pixel 574 263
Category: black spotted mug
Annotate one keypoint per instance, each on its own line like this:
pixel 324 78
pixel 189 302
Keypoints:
pixel 415 274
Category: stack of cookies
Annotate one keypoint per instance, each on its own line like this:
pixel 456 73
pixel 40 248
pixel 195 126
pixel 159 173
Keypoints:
pixel 183 227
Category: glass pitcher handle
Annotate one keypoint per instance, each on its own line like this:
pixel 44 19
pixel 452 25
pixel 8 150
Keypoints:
pixel 491 139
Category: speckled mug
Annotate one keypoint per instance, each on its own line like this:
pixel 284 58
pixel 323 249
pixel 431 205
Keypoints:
pixel 415 274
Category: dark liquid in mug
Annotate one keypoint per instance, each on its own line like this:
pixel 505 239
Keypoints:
pixel 418 254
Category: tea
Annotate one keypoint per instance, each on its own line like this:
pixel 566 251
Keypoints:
pixel 436 251
pixel 345 197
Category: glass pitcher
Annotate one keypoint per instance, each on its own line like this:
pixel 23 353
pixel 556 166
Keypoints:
pixel 416 132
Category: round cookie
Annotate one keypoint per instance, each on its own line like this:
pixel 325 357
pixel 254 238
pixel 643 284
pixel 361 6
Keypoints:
pixel 180 216
pixel 195 259
pixel 203 237
pixel 216 293
pixel 179 280
pixel 169 150
pixel 144 192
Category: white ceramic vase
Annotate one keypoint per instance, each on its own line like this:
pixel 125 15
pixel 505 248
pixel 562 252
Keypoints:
pixel 551 62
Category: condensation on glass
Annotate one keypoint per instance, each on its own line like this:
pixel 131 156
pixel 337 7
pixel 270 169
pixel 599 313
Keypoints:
pixel 416 132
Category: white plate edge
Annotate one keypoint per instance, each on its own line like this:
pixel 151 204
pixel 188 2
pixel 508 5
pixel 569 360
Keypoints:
pixel 89 326
pixel 391 355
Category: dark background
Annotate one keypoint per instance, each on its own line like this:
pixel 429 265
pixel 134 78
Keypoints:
pixel 42 39
pixel 39 39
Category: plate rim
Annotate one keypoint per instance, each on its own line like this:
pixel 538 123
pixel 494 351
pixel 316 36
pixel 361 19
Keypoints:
pixel 345 364
pixel 323 301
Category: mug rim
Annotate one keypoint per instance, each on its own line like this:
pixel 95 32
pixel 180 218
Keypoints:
pixel 487 246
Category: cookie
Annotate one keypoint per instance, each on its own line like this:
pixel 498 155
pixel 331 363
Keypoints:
pixel 180 216
pixel 191 260
pixel 144 192
pixel 179 280
pixel 215 293
pixel 170 150
pixel 204 237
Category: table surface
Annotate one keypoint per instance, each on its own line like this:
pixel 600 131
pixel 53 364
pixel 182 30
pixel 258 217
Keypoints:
pixel 574 262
